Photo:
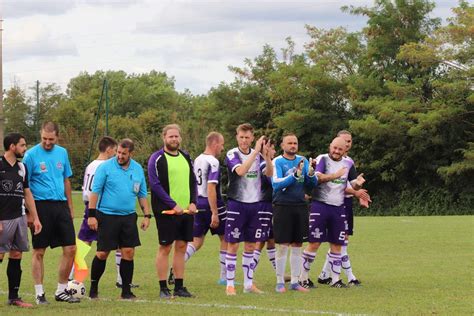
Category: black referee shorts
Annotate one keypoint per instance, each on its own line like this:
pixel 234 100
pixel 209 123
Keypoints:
pixel 117 231
pixel 174 227
pixel 58 228
pixel 290 223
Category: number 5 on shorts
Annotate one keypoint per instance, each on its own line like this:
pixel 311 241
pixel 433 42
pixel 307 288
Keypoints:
pixel 342 236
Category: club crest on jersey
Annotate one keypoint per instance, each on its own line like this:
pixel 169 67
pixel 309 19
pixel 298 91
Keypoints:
pixel 235 233
pixel 7 185
pixel 43 167
pixel 59 165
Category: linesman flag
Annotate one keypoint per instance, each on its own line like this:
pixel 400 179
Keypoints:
pixel 80 266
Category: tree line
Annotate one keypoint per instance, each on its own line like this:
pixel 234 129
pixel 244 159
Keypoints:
pixel 403 85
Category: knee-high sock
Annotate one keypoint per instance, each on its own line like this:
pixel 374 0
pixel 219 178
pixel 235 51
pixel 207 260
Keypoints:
pixel 326 271
pixel 308 258
pixel 97 269
pixel 335 262
pixel 248 266
pixel 190 250
pixel 271 252
pixel 295 264
pixel 222 255
pixel 126 272
pixel 256 257
pixel 230 263
pixel 346 264
pixel 14 277
pixel 280 261
pixel 118 258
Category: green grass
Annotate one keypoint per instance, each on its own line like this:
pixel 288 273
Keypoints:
pixel 408 266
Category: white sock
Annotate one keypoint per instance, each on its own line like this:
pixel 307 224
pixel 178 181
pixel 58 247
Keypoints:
pixel 256 257
pixel 280 261
pixel 118 258
pixel 39 289
pixel 71 274
pixel 230 263
pixel 307 260
pixel 335 262
pixel 346 264
pixel 248 266
pixel 271 256
pixel 61 288
pixel 326 271
pixel 295 264
pixel 190 250
pixel 222 255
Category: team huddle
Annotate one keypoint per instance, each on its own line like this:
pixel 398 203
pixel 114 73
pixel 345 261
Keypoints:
pixel 267 205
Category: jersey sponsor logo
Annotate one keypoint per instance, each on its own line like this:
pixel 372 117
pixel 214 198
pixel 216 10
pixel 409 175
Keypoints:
pixel 43 166
pixel 251 175
pixel 7 185
pixel 339 181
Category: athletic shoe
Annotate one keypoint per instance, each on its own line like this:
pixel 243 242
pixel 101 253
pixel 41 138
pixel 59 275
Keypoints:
pixel 19 302
pixel 165 293
pixel 325 281
pixel 307 284
pixel 64 296
pixel 182 292
pixel 41 300
pixel 354 282
pixel 93 294
pixel 171 277
pixel 339 284
pixel 230 291
pixel 128 296
pixel 253 289
pixel 298 288
pixel 132 286
pixel 280 288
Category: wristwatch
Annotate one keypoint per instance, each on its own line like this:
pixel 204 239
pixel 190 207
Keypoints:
pixel 147 215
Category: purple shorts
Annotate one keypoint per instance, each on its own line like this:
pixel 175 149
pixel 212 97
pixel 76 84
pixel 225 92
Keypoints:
pixel 85 233
pixel 349 215
pixel 327 223
pixel 202 220
pixel 265 215
pixel 242 222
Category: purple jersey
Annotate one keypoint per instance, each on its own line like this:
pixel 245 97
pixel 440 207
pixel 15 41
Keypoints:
pixel 246 188
pixel 332 192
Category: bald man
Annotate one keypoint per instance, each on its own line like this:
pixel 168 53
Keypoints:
pixel 327 219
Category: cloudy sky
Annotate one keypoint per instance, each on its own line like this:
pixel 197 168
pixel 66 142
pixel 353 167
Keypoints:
pixel 193 41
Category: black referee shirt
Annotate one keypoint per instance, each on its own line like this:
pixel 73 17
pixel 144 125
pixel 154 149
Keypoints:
pixel 11 189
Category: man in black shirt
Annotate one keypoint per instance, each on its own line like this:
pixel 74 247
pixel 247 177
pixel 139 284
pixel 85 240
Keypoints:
pixel 14 192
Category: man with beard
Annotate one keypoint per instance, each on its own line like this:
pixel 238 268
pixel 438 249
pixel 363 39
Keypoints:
pixel 173 189
pixel 118 182
pixel 292 174
pixel 14 191
pixel 327 215
pixel 246 167
pixel 48 174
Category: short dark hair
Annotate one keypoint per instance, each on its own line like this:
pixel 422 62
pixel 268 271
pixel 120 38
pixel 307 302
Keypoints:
pixel 127 143
pixel 12 138
pixel 106 142
pixel 246 127
pixel 50 127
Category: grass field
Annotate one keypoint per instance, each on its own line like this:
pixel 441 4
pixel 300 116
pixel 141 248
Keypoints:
pixel 408 266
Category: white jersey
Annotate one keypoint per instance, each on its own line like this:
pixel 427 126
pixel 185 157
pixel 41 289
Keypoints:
pixel 206 169
pixel 89 178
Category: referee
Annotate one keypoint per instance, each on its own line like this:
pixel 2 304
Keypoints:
pixel 117 183
pixel 14 191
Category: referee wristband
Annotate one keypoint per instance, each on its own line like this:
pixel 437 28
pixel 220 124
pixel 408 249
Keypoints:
pixel 92 212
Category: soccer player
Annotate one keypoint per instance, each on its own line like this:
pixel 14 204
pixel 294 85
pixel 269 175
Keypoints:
pixel 118 182
pixel 212 211
pixel 245 166
pixel 266 216
pixel 325 276
pixel 14 192
pixel 292 174
pixel 173 188
pixel 327 215
pixel 48 174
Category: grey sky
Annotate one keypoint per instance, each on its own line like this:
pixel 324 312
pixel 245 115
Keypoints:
pixel 193 41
